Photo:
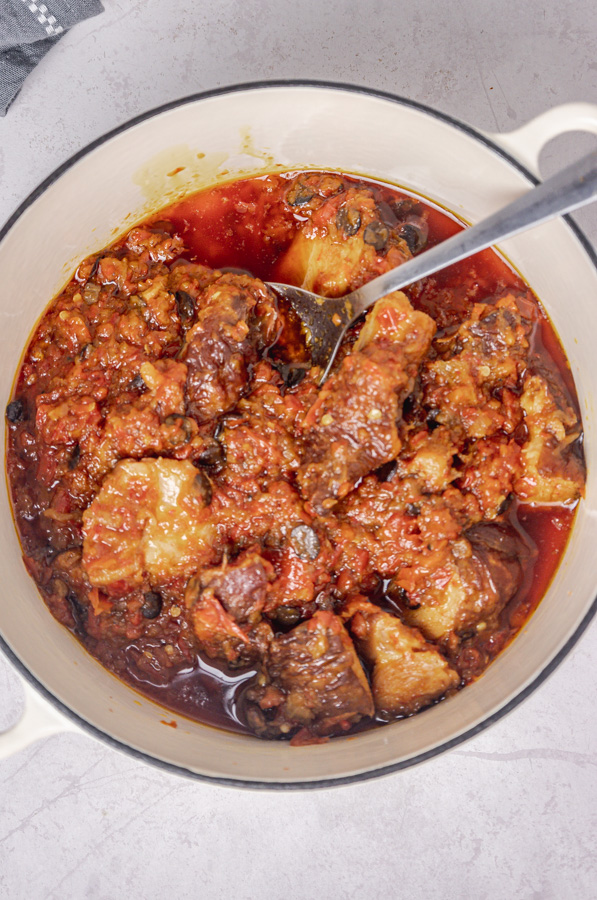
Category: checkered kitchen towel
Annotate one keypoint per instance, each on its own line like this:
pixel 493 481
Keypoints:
pixel 28 29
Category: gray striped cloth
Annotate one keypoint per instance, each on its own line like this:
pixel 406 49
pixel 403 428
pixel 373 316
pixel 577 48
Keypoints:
pixel 28 29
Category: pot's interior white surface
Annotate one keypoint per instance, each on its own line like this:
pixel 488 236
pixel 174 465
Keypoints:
pixel 250 132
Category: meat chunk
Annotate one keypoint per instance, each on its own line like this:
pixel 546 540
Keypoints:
pixel 154 243
pixel 488 353
pixel 226 604
pixel 258 438
pixel 313 679
pixel 351 428
pixel 491 470
pixel 237 318
pixel 66 422
pixel 471 586
pixel 221 638
pixel 395 529
pixel 428 456
pixel 241 585
pixel 191 279
pixel 148 524
pixel 267 516
pixel 152 423
pixel 552 473
pixel 302 566
pixel 407 672
pixel 345 241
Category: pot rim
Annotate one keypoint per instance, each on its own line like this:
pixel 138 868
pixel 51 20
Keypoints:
pixel 446 745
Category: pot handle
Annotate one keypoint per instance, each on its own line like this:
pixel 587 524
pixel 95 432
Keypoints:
pixel 39 720
pixel 526 142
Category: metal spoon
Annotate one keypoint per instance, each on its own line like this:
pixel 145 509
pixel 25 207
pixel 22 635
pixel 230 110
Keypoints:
pixel 327 319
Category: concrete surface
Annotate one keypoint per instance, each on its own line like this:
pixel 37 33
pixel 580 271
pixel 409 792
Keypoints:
pixel 511 814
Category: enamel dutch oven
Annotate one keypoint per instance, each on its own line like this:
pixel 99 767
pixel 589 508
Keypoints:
pixel 253 129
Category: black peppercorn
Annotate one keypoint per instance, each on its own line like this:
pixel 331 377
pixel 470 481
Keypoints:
pixel 15 411
pixel 152 606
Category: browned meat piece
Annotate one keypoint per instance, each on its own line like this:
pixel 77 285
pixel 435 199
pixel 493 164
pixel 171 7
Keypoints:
pixel 188 282
pixel 498 333
pixel 469 588
pixel 346 240
pixel 552 473
pixel 407 672
pixel 309 190
pixel 487 353
pixel 192 278
pixel 237 319
pixel 145 250
pixel 267 516
pixel 258 438
pixel 313 679
pixel 491 469
pixel 153 423
pixel 258 449
pixel 219 635
pixel 226 605
pixel 351 428
pixel 240 586
pixel 394 529
pixel 149 523
pixel 150 320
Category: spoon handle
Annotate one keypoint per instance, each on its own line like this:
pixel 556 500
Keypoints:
pixel 567 190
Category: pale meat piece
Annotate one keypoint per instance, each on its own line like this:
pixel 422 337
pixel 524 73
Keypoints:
pixel 148 524
pixel 237 319
pixel 312 679
pixel 407 672
pixel 344 243
pixel 551 472
pixel 351 428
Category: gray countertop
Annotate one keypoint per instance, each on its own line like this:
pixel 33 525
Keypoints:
pixel 511 813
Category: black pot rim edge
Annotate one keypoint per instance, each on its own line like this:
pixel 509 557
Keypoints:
pixel 446 745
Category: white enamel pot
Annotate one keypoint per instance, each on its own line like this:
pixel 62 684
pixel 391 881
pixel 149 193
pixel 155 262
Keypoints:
pixel 245 130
